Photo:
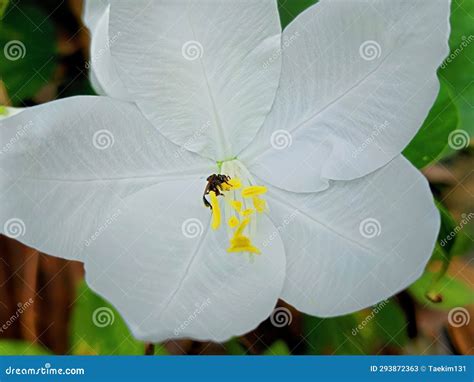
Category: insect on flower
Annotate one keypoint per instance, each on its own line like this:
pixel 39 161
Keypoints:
pixel 215 183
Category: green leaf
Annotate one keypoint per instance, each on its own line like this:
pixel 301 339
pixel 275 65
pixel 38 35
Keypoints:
pixel 443 250
pixel 277 348
pixel 334 335
pixel 463 243
pixel 234 347
pixel 452 240
pixel 13 347
pixel 289 9
pixel 433 136
pixel 160 350
pixel 97 328
pixel 383 325
pixel 3 7
pixel 458 68
pixel 453 292
pixel 28 44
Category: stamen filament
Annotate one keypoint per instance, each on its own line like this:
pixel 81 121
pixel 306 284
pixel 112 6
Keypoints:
pixel 241 228
pixel 216 211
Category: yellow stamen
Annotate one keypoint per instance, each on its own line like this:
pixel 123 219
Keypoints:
pixel 247 212
pixel 240 215
pixel 216 211
pixel 233 222
pixel 259 204
pixel 236 205
pixel 235 183
pixel 240 243
pixel 251 191
pixel 232 184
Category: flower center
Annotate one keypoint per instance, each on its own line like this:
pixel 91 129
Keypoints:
pixel 241 204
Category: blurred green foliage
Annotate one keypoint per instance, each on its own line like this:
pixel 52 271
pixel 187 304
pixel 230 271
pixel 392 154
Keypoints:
pixel 441 121
pixel 360 333
pixel 289 9
pixel 28 39
pixel 458 68
pixel 13 347
pixel 3 7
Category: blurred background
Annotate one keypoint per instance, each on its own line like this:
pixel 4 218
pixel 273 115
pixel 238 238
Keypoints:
pixel 45 307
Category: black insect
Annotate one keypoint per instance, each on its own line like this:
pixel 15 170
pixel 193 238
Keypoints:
pixel 214 183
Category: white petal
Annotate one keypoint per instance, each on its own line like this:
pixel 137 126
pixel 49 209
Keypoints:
pixel 64 165
pixel 93 11
pixel 357 243
pixel 169 274
pixel 358 80
pixel 8 112
pixel 103 72
pixel 205 73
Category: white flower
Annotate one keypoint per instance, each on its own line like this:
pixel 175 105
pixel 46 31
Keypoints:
pixel 175 121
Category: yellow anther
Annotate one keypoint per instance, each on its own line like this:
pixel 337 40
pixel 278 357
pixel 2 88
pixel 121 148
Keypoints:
pixel 236 205
pixel 233 222
pixel 240 243
pixel 235 183
pixel 247 212
pixel 216 211
pixel 231 184
pixel 259 204
pixel 250 192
